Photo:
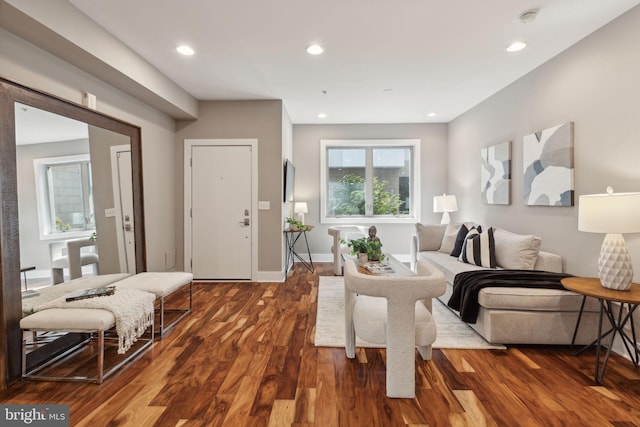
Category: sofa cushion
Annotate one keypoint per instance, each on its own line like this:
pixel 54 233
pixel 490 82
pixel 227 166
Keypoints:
pixel 462 234
pixel 479 248
pixel 449 265
pixel 429 236
pixel 516 251
pixel 537 299
pixel 449 237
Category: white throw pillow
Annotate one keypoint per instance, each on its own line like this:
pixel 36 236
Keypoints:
pixel 479 248
pixel 516 251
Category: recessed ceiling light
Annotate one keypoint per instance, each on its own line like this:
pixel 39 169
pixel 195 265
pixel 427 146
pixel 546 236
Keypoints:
pixel 322 116
pixel 516 46
pixel 315 49
pixel 528 16
pixel 185 50
pixel 432 114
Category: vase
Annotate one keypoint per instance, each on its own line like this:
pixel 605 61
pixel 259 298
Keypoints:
pixel 363 258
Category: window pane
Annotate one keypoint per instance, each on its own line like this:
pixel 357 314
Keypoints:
pixel 346 189
pixel 71 206
pixel 391 181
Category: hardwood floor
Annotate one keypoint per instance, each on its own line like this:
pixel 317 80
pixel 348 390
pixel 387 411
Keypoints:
pixel 245 357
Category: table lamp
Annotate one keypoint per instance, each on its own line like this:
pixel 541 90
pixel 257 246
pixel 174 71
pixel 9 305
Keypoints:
pixel 613 214
pixel 445 204
pixel 300 208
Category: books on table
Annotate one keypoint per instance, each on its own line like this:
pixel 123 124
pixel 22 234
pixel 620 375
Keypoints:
pixel 377 268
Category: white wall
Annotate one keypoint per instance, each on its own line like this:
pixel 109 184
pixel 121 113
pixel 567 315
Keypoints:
pixel 306 158
pixel 22 62
pixel 596 85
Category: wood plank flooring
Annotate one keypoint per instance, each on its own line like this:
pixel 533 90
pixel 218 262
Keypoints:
pixel 245 357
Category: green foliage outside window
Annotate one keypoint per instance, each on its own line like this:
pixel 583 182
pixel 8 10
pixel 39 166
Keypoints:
pixel 349 197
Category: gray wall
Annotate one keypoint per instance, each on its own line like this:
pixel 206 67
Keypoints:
pixel 262 120
pixel 306 158
pixel 596 85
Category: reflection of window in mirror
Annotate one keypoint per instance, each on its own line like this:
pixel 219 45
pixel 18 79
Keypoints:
pixel 64 195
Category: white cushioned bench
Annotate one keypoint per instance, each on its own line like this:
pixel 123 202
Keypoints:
pixel 52 292
pixel 162 284
pixel 83 320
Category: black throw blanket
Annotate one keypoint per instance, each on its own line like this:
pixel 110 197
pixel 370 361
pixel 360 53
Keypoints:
pixel 467 286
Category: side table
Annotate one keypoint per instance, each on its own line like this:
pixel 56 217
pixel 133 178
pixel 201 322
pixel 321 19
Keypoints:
pixel 292 237
pixel 591 287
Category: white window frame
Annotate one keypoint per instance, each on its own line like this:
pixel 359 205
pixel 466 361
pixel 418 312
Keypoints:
pixel 44 202
pixel 365 143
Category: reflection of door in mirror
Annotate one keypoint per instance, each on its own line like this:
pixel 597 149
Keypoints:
pixel 108 198
pixel 70 195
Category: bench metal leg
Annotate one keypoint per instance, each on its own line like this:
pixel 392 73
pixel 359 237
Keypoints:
pixel 101 374
pixel 162 328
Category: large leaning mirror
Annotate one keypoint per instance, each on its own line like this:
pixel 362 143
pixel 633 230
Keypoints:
pixel 67 174
pixel 74 184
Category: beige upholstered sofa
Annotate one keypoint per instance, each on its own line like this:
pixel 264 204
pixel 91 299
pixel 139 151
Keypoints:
pixel 511 315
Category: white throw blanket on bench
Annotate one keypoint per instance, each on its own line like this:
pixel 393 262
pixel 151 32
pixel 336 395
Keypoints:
pixel 132 309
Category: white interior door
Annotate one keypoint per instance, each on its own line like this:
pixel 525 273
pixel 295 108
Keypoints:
pixel 221 207
pixel 123 201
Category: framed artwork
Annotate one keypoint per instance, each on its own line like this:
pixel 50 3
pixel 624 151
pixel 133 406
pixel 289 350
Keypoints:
pixel 548 167
pixel 495 174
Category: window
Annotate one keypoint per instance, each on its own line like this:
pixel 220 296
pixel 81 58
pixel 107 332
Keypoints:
pixel 65 196
pixel 370 180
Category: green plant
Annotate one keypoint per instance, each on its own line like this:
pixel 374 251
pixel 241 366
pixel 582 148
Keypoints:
pixel 61 225
pixel 349 197
pixel 373 249
pixel 297 224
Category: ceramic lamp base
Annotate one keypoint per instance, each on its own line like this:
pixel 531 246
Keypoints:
pixel 614 264
pixel 446 218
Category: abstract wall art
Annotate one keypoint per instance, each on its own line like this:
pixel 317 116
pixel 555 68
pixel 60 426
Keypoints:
pixel 548 167
pixel 495 174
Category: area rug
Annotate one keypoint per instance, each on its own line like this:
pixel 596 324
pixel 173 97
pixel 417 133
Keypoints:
pixel 452 332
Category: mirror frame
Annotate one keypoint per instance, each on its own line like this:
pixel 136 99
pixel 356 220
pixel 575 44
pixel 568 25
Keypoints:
pixel 10 281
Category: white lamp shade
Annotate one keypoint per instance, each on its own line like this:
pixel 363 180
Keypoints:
pixel 445 203
pixel 613 213
pixel 300 207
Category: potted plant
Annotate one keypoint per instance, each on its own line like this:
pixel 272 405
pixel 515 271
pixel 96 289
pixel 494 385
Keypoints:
pixel 295 225
pixel 363 247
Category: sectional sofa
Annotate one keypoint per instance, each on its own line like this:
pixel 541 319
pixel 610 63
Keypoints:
pixel 510 315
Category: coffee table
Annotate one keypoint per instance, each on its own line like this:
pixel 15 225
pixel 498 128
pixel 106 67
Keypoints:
pixel 399 268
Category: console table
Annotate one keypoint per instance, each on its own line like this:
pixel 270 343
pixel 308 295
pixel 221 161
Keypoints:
pixel 292 237
pixel 591 287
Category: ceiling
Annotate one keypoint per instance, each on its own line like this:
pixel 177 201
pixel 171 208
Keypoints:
pixel 385 61
pixel 35 126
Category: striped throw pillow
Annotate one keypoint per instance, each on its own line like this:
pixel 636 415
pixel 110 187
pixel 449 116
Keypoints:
pixel 479 248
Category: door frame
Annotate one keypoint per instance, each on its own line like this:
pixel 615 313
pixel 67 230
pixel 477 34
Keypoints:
pixel 117 205
pixel 188 145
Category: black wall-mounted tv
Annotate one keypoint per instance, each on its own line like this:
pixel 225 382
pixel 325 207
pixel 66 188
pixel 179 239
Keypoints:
pixel 289 180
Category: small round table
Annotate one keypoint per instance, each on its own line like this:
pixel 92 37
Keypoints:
pixel 591 287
